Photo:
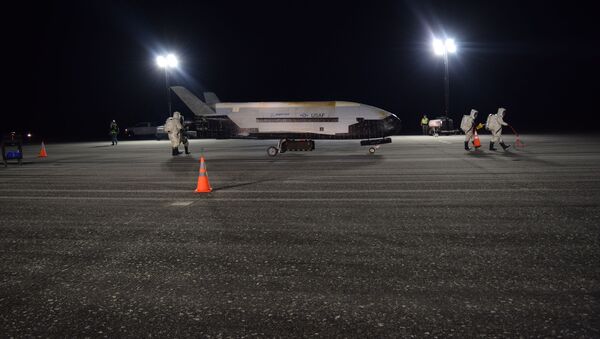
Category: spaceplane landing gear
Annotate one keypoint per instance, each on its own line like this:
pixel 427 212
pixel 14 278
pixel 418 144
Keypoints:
pixel 291 145
pixel 372 149
pixel 375 143
pixel 272 151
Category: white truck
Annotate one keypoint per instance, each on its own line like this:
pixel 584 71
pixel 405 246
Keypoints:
pixel 141 130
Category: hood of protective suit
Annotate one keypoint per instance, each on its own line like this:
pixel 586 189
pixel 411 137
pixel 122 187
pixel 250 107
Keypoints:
pixel 176 115
pixel 501 112
pixel 474 113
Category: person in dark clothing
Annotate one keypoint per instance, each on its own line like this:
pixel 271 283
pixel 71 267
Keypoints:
pixel 114 132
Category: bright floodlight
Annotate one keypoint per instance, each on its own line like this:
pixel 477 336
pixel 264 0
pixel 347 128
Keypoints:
pixel 165 62
pixel 438 47
pixel 161 61
pixel 450 46
pixel 172 60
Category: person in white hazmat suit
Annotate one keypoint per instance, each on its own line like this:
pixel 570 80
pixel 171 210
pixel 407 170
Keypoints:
pixel 494 125
pixel 467 125
pixel 174 127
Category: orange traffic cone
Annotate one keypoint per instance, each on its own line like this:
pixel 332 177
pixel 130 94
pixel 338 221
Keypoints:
pixel 203 184
pixel 476 141
pixel 43 153
pixel 518 142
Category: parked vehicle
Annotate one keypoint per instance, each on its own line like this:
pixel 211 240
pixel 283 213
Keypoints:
pixel 160 133
pixel 140 130
pixel 442 125
pixel 191 133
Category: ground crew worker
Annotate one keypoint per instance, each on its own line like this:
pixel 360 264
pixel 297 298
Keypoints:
pixel 114 131
pixel 174 128
pixel 425 124
pixel 183 134
pixel 468 126
pixel 495 127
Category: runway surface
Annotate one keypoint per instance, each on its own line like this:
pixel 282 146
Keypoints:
pixel 421 239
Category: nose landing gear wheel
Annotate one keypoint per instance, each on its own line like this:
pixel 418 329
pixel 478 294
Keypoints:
pixel 272 151
pixel 372 149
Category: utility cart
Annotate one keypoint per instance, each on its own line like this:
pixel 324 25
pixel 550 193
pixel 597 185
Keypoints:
pixel 12 148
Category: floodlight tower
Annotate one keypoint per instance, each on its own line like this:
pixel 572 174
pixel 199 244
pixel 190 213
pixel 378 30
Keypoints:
pixel 166 62
pixel 441 48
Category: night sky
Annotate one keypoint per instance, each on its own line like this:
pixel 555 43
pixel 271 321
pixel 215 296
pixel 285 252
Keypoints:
pixel 71 67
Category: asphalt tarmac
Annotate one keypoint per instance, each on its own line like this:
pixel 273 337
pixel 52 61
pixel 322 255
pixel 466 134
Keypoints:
pixel 422 239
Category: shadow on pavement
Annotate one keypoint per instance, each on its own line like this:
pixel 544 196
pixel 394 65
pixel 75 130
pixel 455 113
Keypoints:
pixel 514 156
pixel 221 188
pixel 478 154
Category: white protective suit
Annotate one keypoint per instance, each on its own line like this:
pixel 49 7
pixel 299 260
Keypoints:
pixel 173 127
pixel 495 125
pixel 467 124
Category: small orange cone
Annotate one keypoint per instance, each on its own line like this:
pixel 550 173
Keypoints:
pixel 518 142
pixel 476 141
pixel 43 153
pixel 203 184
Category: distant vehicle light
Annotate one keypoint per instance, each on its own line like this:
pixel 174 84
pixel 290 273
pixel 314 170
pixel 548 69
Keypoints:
pixel 29 135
